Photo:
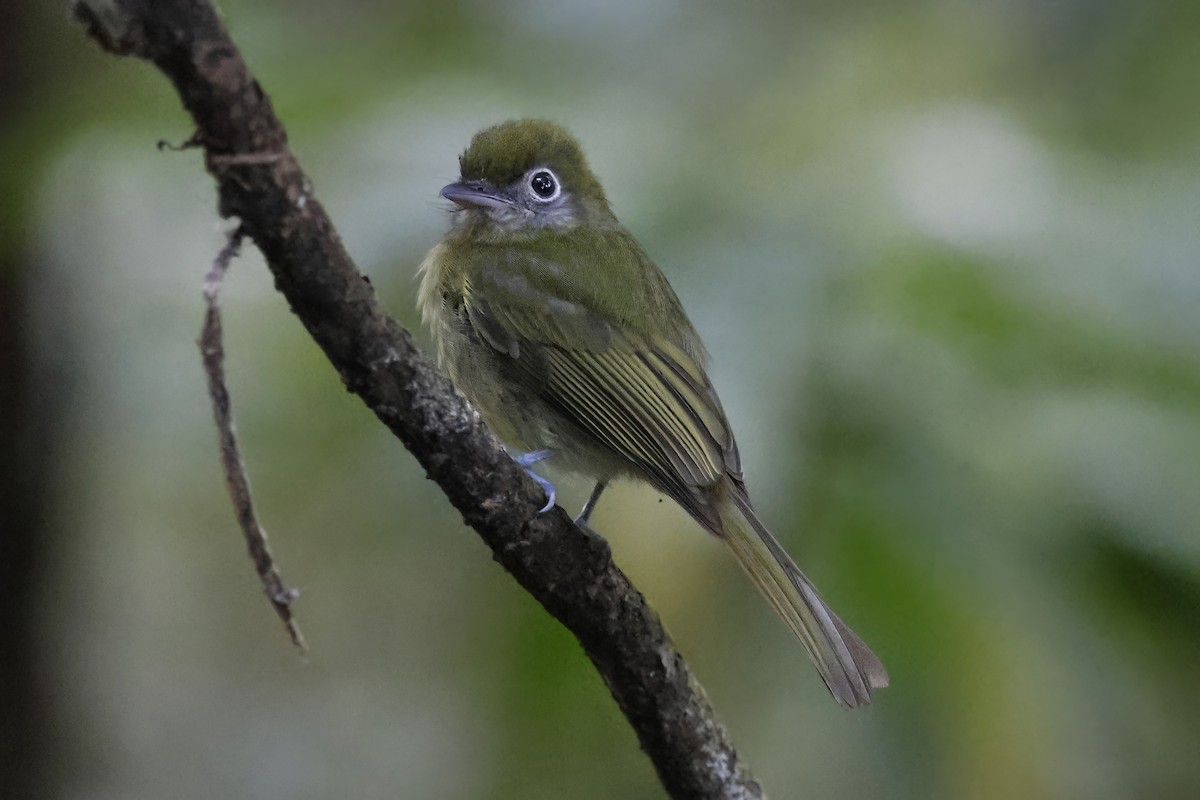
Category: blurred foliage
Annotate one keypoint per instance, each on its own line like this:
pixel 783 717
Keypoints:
pixel 944 255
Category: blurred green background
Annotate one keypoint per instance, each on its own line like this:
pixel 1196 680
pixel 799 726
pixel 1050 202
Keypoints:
pixel 944 253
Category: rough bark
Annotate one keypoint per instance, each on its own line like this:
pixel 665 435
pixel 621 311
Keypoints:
pixel 568 571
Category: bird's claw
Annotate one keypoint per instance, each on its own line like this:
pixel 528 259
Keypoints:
pixel 547 487
pixel 527 460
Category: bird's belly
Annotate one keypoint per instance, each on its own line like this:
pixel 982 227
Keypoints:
pixel 515 410
pixel 512 411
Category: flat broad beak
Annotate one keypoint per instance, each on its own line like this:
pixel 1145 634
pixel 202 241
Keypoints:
pixel 474 193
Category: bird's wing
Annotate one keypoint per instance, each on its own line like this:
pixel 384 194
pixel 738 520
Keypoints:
pixel 639 395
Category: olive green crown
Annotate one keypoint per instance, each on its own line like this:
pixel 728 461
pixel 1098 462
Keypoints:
pixel 503 153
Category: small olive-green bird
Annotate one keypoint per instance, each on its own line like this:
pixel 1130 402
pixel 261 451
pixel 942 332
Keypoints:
pixel 566 337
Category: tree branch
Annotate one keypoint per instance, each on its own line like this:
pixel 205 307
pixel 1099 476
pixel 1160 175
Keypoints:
pixel 569 571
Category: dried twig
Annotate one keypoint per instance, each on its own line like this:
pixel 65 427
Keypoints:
pixel 212 350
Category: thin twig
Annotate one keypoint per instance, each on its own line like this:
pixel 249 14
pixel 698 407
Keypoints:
pixel 212 349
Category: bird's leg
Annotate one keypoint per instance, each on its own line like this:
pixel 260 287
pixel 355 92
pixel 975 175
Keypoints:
pixel 590 505
pixel 527 460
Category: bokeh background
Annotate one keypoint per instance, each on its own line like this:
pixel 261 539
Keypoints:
pixel 945 255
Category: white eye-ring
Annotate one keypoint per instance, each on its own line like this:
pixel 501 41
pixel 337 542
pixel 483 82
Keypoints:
pixel 544 185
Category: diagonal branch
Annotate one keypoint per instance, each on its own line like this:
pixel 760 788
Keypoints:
pixel 568 571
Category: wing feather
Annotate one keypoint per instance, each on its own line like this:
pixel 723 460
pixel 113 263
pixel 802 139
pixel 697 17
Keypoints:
pixel 640 395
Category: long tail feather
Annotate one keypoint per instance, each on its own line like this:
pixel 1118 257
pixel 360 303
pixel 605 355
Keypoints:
pixel 846 664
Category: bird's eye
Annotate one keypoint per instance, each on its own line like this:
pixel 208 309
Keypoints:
pixel 543 184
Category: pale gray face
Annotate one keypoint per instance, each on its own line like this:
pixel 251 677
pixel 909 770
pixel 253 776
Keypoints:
pixel 536 200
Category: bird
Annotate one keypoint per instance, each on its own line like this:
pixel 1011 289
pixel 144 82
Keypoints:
pixel 555 324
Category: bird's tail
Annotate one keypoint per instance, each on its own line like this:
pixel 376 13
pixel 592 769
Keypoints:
pixel 847 665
